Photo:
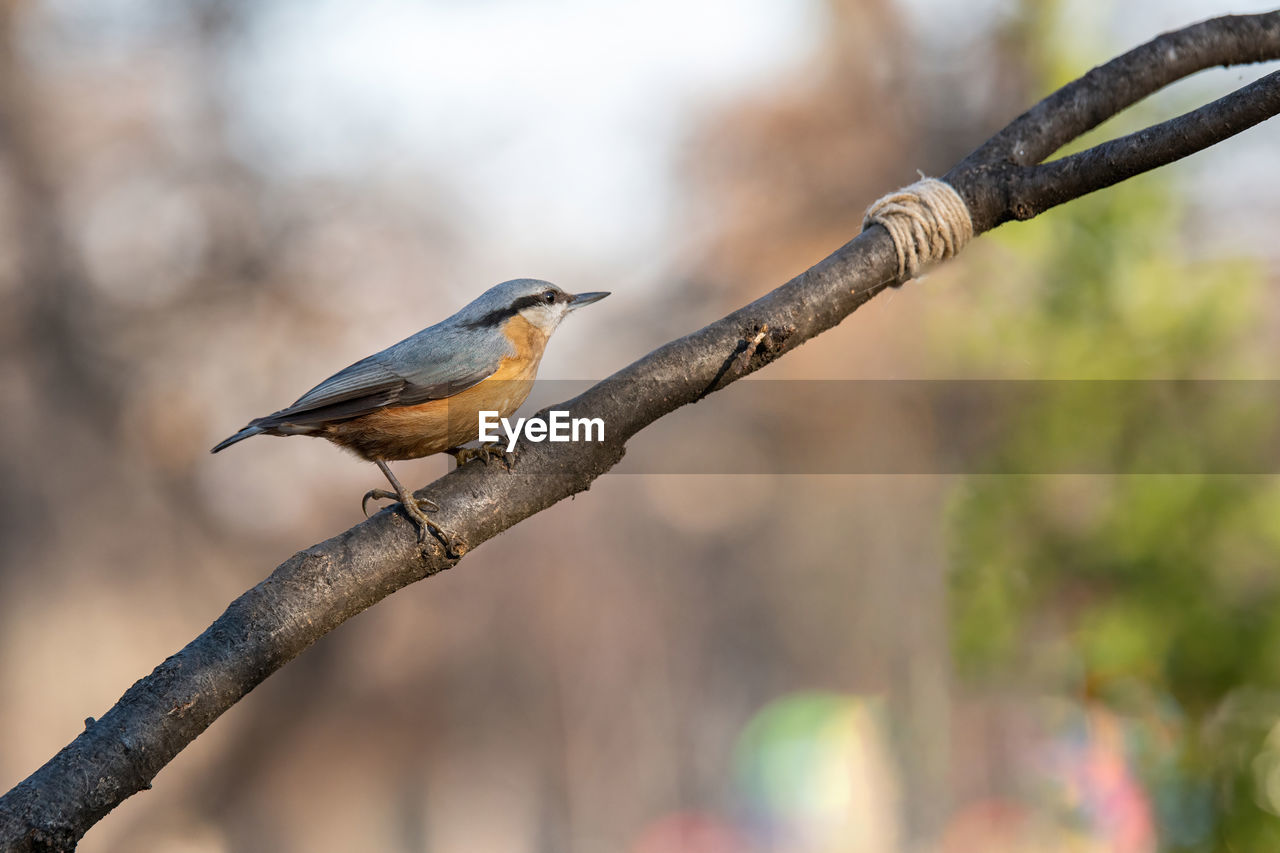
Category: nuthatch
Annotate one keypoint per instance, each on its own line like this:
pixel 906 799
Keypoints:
pixel 424 394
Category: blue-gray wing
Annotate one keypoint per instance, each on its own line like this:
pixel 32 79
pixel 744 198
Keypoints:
pixel 422 368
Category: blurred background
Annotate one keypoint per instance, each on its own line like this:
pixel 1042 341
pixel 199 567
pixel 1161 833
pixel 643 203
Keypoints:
pixel 208 206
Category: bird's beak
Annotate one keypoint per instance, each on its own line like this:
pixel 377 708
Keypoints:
pixel 579 299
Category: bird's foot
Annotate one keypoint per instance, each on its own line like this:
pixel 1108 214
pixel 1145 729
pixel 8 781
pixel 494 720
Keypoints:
pixel 412 507
pixel 385 495
pixel 485 452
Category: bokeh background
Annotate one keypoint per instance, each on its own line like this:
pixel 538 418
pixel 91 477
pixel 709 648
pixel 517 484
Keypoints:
pixel 208 206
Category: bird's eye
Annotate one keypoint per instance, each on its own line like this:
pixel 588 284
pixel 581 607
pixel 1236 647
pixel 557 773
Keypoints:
pixel 549 297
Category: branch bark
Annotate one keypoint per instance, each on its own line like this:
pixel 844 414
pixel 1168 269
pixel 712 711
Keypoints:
pixel 319 588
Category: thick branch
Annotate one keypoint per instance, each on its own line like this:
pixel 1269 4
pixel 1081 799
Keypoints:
pixel 318 589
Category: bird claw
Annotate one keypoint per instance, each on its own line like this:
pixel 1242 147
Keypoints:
pixel 485 452
pixel 413 508
pixel 374 495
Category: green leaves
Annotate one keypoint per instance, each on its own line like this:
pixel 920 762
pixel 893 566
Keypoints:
pixel 1143 593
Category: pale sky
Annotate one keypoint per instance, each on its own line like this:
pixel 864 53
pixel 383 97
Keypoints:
pixel 553 123
pixel 552 128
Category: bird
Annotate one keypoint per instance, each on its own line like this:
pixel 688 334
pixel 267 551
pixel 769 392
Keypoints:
pixel 422 396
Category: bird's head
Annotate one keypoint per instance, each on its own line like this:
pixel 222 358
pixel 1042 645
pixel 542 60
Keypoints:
pixel 541 303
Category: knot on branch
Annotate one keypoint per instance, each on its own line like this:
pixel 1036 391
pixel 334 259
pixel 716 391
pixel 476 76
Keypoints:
pixel 928 222
pixel 762 347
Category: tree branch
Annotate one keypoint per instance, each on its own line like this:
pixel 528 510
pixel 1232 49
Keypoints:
pixel 319 588
pixel 1048 185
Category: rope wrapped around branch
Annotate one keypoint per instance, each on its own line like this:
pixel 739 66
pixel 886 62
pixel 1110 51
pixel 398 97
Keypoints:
pixel 927 220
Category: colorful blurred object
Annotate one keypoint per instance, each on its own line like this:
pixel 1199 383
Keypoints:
pixel 814 773
pixel 1091 776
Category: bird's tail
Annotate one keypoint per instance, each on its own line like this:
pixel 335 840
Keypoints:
pixel 240 436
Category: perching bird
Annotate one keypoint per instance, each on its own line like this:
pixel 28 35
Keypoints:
pixel 424 394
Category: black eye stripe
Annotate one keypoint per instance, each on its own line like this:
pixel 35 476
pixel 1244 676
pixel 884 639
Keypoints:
pixel 526 302
pixel 496 318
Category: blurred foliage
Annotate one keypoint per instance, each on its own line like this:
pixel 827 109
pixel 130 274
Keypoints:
pixel 1154 596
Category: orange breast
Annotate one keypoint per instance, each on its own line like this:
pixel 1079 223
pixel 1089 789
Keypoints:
pixel 410 432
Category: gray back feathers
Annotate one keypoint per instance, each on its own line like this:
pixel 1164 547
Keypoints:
pixel 437 362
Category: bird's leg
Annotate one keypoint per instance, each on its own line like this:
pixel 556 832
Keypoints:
pixel 412 506
pixel 485 452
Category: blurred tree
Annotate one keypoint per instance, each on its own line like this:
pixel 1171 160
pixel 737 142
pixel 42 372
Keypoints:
pixel 1154 595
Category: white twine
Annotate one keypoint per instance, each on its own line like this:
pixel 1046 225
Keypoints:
pixel 928 222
